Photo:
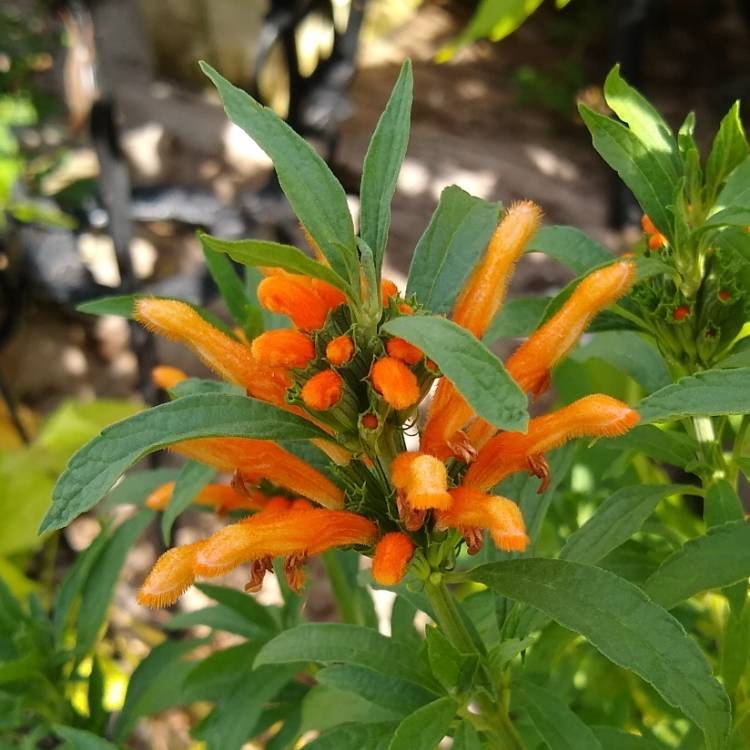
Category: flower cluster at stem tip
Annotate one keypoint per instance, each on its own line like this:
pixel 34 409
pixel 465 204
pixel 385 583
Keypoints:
pixel 407 509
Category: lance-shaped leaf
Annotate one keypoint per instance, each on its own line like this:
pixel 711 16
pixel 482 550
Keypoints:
pixel 571 247
pixel 315 195
pixel 382 165
pixel 709 393
pixel 728 151
pixel 80 739
pixel 638 166
pixel 348 644
pixel 424 729
pixel 191 480
pixel 450 247
pixel 736 190
pixel 719 558
pixel 274 254
pixel 93 470
pixel 627 627
pixel 558 726
pixel 615 739
pixel 474 370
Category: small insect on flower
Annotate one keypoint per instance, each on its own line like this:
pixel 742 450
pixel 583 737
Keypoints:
pixel 395 382
pixel 323 390
pixel 283 348
pixel 392 556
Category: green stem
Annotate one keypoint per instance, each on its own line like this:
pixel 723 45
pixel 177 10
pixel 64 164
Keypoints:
pixel 501 734
pixel 341 591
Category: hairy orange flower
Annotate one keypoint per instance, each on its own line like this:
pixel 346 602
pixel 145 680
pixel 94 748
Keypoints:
pixel 403 350
pixel 297 532
pixel 392 555
pixel 172 575
pixel 370 421
pixel 388 289
pixel 447 414
pixel 323 390
pixel 222 497
pixel 263 459
pixel 471 510
pixel 283 347
pixel 401 468
pixel 340 350
pixel 427 485
pixel 648 226
pixel 484 292
pixel 532 361
pixel 395 382
pixel 166 377
pixel 657 241
pixel 510 452
pixel 229 358
pixel 305 302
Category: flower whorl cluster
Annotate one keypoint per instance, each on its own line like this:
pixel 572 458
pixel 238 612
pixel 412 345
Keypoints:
pixel 363 387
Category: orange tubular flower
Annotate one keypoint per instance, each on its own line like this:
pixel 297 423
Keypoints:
pixel 395 382
pixel 166 377
pixel 403 350
pixel 657 241
pixel 323 390
pixel 340 350
pixel 532 361
pixel 484 292
pixel 427 484
pixel 219 496
pixel 472 510
pixel 172 575
pixel 510 452
pixel 262 459
pixel 392 556
pixel 388 289
pixel 648 226
pixel 283 348
pixel 230 359
pixel 294 532
pixel 306 301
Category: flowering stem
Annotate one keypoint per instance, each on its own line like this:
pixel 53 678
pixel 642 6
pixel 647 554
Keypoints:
pixel 494 714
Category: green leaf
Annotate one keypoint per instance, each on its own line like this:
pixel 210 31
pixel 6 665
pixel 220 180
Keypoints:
pixel 217 617
pixel 233 721
pixel 325 707
pixel 248 607
pixel 95 468
pixel 454 670
pixel 382 164
pixel 213 677
pixel 728 151
pixel 354 737
pixel 719 558
pixel 348 644
pixel 668 446
pixel 615 739
pixel 709 393
pixel 135 488
pixel 247 315
pixel 156 683
pixel 474 370
pixel 619 517
pixel 556 724
pixel 629 352
pixel 198 386
pixel 739 356
pixel 262 253
pixel 644 121
pixel 99 586
pixel 80 739
pixel 571 247
pixel 190 481
pixel 123 306
pixel 466 737
pixel 392 693
pixel 516 318
pixel 452 244
pixel 733 216
pixel 424 729
pixel 736 190
pixel 314 193
pixel 722 504
pixel 639 168
pixel 626 626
